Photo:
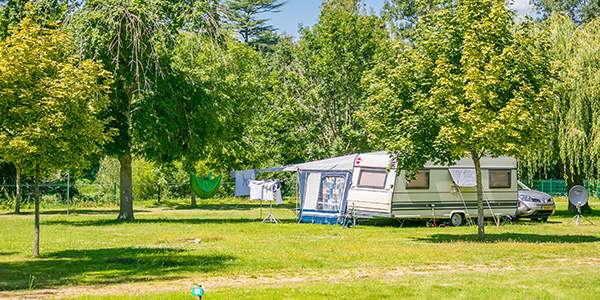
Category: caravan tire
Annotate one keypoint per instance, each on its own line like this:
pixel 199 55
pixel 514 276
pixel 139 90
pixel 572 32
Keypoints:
pixel 457 219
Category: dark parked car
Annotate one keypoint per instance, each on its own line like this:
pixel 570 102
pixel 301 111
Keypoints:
pixel 533 204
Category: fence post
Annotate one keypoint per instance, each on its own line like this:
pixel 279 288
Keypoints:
pixel 115 192
pixel 68 183
pixel 551 187
pixel 542 182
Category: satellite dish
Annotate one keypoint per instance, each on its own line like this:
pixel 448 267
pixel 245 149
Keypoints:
pixel 578 196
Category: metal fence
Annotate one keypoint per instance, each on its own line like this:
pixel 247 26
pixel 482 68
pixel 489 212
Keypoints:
pixel 558 187
pixel 95 194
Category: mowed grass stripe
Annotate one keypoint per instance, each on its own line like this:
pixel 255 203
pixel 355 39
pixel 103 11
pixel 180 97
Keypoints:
pixel 89 251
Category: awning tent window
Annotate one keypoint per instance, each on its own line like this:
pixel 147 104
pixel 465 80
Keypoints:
pixel 332 193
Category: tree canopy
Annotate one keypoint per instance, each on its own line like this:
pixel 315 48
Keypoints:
pixel 244 18
pixel 317 86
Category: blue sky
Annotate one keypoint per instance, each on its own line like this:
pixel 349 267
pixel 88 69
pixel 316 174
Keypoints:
pixel 306 12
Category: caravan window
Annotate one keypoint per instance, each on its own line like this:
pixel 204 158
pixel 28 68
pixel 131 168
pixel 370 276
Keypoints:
pixel 332 193
pixel 499 178
pixel 421 180
pixel 372 178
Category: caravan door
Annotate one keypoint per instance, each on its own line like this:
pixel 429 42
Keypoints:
pixel 324 196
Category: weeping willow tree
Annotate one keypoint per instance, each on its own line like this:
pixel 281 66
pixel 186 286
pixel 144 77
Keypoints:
pixel 576 52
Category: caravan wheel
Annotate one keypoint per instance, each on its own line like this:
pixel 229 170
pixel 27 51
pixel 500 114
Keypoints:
pixel 457 219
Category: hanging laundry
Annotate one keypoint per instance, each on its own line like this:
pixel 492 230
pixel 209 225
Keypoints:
pixel 256 189
pixel 269 190
pixel 205 187
pixel 242 178
pixel 278 199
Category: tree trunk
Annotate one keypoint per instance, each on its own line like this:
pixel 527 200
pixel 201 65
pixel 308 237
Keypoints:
pixel 125 184
pixel 190 167
pixel 126 178
pixel 18 185
pixel 36 191
pixel 573 178
pixel 480 218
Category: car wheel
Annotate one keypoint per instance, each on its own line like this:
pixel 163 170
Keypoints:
pixel 545 219
pixel 457 219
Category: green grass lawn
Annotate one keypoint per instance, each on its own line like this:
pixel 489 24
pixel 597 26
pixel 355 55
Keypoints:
pixel 90 255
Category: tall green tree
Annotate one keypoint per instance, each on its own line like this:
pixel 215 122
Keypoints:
pixel 244 18
pixel 576 59
pixel 473 82
pixel 134 40
pixel 50 101
pixel 317 87
pixel 41 11
pixel 580 11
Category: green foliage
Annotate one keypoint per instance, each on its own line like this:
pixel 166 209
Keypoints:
pixel 402 15
pixel 41 11
pixel 232 76
pixel 580 11
pixel 128 36
pixel 317 83
pixel 473 81
pixel 576 53
pixel 51 100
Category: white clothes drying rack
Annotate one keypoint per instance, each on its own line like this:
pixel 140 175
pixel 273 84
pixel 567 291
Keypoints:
pixel 271 218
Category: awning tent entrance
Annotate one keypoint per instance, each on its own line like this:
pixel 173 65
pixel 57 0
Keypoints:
pixel 322 188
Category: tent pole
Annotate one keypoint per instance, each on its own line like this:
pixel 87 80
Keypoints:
pixel 297 197
pixel 261 201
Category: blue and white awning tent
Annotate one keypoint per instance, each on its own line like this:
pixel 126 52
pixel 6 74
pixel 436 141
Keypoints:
pixel 322 187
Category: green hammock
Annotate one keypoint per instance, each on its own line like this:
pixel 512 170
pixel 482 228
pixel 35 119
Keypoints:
pixel 205 187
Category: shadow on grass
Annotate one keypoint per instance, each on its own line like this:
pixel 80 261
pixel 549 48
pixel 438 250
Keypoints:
pixel 204 220
pixel 76 211
pixel 107 266
pixel 510 237
pixel 234 206
pixel 567 214
pixel 8 253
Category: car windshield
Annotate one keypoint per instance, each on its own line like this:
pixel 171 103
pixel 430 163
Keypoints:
pixel 522 186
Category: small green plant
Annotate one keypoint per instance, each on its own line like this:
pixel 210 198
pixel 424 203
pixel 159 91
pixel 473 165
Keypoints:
pixel 31 279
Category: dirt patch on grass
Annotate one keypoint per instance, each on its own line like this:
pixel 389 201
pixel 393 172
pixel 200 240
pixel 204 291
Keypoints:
pixel 157 285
